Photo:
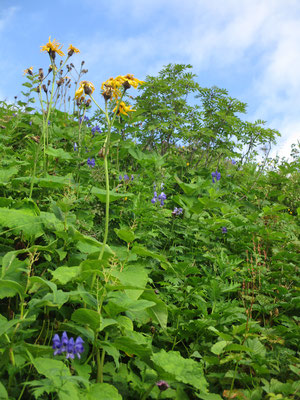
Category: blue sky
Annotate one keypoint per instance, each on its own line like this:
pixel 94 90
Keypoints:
pixel 249 47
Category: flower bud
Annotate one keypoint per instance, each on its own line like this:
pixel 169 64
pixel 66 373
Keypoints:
pixel 41 74
pixel 45 88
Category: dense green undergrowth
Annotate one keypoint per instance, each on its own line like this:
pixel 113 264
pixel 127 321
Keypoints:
pixel 196 295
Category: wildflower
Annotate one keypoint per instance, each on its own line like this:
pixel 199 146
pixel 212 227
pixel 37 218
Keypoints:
pixel 30 123
pixel 111 87
pixel 126 177
pixel 72 50
pixel 120 178
pixel 162 385
pixel 233 162
pixel 224 229
pixel 49 122
pixel 187 164
pixel 161 186
pixel 52 48
pixel 177 211
pixel 129 80
pixel 66 345
pixel 28 71
pixel 132 178
pixel 75 146
pixel 162 197
pixel 125 198
pixel 85 87
pixel 123 109
pixel 154 199
pixel 95 129
pixel 216 175
pixel 91 162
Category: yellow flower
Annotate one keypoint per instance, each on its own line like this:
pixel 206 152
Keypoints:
pixel 291 212
pixel 125 198
pixel 123 109
pixel 111 87
pixel 28 71
pixel 72 50
pixel 52 48
pixel 183 147
pixel 129 80
pixel 85 87
pixel 187 164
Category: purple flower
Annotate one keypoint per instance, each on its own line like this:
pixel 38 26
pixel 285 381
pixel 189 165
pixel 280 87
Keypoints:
pixel 154 199
pixel 162 385
pixel 126 177
pixel 132 177
pixel 30 123
pixel 66 345
pixel 14 115
pixel 95 129
pixel 86 118
pixel 70 348
pixel 79 346
pixel 224 229
pixel 91 162
pixel 49 122
pixel 56 346
pixel 162 197
pixel 177 211
pixel 120 178
pixel 75 147
pixel 216 175
pixel 162 186
pixel 233 162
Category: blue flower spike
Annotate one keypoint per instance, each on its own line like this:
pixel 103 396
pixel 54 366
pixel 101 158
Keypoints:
pixel 68 346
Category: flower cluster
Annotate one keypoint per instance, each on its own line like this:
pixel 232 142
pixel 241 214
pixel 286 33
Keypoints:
pixel 91 162
pixel 216 175
pixel 111 87
pixel 69 346
pixel 177 211
pixel 54 47
pixel 162 197
pixel 224 229
pixel 95 129
pixel 126 178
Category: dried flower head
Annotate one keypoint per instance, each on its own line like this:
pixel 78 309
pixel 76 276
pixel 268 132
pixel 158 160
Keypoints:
pixel 111 88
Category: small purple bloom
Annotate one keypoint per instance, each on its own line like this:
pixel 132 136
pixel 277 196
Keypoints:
pixel 75 146
pixel 162 186
pixel 79 346
pixel 216 175
pixel 30 123
pixel 126 177
pixel 224 229
pixel 66 345
pixel 14 115
pixel 233 162
pixel 162 385
pixel 120 178
pixel 70 348
pixel 56 345
pixel 91 162
pixel 162 197
pixel 86 118
pixel 177 211
pixel 132 177
pixel 95 129
pixel 49 122
pixel 153 200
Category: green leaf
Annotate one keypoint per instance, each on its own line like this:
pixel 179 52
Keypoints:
pixel 58 153
pixel 125 234
pixel 10 289
pixel 113 196
pixel 20 221
pixel 134 343
pixel 65 274
pixel 3 392
pixel 6 175
pixel 102 391
pixel 159 312
pixel 87 317
pixel 181 369
pixel 132 275
pixel 218 347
